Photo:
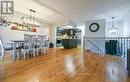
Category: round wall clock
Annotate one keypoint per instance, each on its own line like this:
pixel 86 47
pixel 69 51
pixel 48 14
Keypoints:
pixel 94 27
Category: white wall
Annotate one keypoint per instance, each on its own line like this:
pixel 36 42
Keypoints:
pixel 53 34
pixel 7 34
pixel 82 28
pixel 123 26
pixel 119 24
pixel 99 33
pixel 126 30
pixel 90 43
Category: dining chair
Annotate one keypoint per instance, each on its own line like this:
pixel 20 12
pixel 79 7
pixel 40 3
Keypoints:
pixel 42 44
pixel 4 48
pixel 29 44
pixel 39 44
pixel 46 46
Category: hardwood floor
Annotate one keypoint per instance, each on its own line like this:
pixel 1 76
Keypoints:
pixel 65 66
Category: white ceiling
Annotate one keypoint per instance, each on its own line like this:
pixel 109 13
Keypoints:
pixel 59 11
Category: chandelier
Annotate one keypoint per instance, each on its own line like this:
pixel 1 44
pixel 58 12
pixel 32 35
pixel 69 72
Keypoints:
pixel 31 20
pixel 4 21
pixel 113 30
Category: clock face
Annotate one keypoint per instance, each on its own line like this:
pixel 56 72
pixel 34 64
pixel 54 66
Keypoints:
pixel 94 27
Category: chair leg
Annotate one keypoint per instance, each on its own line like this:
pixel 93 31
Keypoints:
pixel 28 53
pixel 11 53
pixel 18 53
pixel 44 50
pixel 3 55
pixel 24 54
pixel 47 50
pixel 40 50
pixel 37 51
pixel 34 53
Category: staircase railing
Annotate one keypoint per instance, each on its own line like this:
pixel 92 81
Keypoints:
pixel 95 46
pixel 116 46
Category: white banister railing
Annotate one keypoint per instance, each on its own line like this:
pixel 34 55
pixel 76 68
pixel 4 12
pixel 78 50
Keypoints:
pixel 108 45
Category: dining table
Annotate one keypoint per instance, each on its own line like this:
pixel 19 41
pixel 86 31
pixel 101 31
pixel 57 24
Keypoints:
pixel 18 45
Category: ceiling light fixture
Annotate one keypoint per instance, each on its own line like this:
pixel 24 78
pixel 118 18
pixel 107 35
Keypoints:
pixel 4 21
pixel 31 20
pixel 113 30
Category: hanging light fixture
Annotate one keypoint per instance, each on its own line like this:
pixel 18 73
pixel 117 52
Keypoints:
pixel 31 20
pixel 113 30
pixel 4 21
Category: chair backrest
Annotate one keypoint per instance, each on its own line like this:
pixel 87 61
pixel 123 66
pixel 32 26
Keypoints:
pixel 46 41
pixel 30 41
pixel 1 49
pixel 41 41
